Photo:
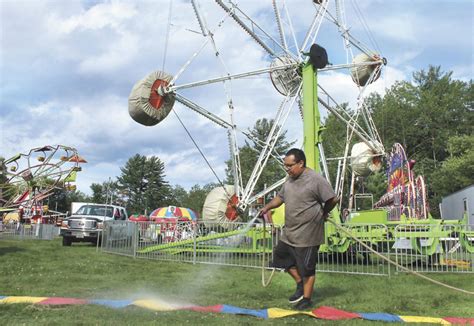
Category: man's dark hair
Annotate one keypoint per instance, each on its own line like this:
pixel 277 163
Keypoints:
pixel 298 154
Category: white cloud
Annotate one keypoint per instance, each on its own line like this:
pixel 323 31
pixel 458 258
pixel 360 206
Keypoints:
pixel 463 72
pixel 42 109
pixel 68 72
pixel 98 17
pixel 399 27
pixel 115 56
pixel 96 173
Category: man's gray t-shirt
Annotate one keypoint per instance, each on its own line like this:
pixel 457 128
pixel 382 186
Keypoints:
pixel 304 198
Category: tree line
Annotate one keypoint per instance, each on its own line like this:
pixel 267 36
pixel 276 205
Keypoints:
pixel 431 116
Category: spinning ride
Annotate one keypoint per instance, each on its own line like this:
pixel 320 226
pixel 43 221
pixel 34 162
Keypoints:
pixel 30 178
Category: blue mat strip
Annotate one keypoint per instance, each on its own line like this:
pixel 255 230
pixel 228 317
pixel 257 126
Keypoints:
pixel 380 316
pixel 112 303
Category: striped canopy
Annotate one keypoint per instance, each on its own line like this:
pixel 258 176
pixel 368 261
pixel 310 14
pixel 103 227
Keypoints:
pixel 173 212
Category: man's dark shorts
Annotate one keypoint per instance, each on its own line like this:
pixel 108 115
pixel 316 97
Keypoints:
pixel 303 258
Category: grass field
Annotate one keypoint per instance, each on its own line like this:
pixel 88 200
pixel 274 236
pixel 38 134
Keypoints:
pixel 45 268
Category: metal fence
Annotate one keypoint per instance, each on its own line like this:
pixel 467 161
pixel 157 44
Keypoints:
pixel 418 247
pixel 240 244
pixel 235 244
pixel 435 248
pixel 343 254
pixel 19 231
pixel 120 237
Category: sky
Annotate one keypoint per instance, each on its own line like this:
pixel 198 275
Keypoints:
pixel 67 69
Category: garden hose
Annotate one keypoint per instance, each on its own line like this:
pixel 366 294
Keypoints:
pixel 266 283
pixel 343 229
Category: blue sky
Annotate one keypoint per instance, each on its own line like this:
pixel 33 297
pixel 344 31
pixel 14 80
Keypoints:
pixel 67 68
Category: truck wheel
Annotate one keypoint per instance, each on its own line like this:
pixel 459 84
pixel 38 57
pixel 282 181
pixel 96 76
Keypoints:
pixel 67 241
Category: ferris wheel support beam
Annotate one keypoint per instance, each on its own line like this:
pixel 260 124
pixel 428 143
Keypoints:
pixel 273 135
pixel 259 72
pixel 365 112
pixel 292 30
pixel 229 77
pixel 195 54
pixel 280 26
pixel 250 30
pixel 315 25
pixel 311 118
pixel 218 120
pixel 274 154
pixel 324 164
pixel 267 190
pixel 312 129
pixel 236 170
pixel 202 25
pixel 231 12
pixel 355 127
pixel 193 106
pixel 231 128
pixel 348 37
pixel 352 65
pixel 236 166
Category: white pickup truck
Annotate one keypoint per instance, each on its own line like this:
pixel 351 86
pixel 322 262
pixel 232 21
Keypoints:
pixel 86 224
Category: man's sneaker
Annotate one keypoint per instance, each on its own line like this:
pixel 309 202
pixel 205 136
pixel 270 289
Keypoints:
pixel 304 304
pixel 298 295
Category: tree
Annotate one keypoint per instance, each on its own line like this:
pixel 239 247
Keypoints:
pixel 143 183
pixel 106 192
pixel 376 184
pixel 456 172
pixel 249 154
pixel 422 115
pixel 178 196
pixel 194 199
pixel 197 196
pixel 98 193
pixel 61 199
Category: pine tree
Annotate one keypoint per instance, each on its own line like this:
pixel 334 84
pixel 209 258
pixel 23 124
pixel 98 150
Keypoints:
pixel 143 184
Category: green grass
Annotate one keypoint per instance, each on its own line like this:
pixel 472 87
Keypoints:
pixel 45 268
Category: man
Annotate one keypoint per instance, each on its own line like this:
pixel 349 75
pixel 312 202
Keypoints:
pixel 308 199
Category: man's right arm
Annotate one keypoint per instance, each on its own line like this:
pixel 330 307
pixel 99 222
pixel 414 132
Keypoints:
pixel 274 203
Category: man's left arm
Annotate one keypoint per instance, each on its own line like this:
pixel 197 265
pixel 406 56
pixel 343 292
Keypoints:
pixel 329 205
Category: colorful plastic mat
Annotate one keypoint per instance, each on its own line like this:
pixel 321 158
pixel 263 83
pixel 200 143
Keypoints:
pixel 323 312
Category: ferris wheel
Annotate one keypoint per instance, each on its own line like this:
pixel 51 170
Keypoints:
pixel 29 178
pixel 288 47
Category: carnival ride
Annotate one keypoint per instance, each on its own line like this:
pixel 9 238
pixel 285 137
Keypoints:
pixel 294 63
pixel 28 179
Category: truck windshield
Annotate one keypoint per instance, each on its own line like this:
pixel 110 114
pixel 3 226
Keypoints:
pixel 96 210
